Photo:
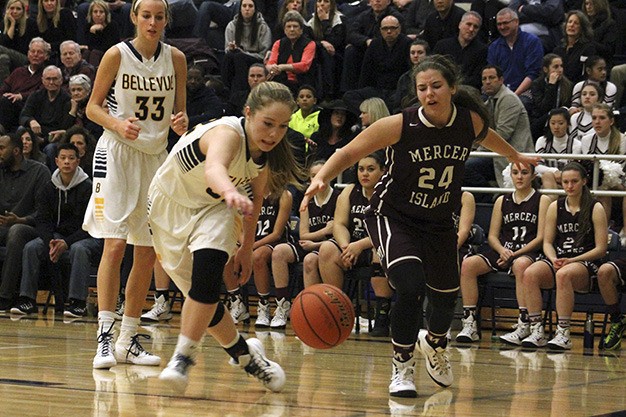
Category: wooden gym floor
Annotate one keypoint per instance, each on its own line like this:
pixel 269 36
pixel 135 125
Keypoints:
pixel 46 371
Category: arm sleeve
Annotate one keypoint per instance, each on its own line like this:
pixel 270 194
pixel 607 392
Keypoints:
pixel 307 59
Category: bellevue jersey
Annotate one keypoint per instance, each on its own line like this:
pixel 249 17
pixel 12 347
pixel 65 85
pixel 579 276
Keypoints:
pixel 181 177
pixel 519 221
pixel 356 220
pixel 267 219
pixel 321 213
pixel 566 230
pixel 425 169
pixel 144 89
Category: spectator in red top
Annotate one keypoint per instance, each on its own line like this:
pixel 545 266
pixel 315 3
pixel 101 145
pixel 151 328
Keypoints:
pixel 291 59
pixel 21 83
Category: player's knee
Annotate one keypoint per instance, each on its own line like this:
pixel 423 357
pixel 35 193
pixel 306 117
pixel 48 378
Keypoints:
pixel 407 279
pixel 443 300
pixel 206 278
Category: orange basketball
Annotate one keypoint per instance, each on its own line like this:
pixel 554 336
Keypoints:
pixel 322 316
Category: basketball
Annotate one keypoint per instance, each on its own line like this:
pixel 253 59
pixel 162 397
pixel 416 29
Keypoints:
pixel 322 316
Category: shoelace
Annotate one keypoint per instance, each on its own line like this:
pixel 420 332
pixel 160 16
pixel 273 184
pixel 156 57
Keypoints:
pixel 406 373
pixel 135 347
pixel 442 364
pixel 104 341
pixel 182 363
pixel 259 368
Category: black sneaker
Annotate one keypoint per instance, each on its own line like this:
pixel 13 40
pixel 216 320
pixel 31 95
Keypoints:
pixel 77 308
pixel 381 326
pixel 25 306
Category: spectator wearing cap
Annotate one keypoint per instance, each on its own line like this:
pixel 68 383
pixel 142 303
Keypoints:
pixel 336 121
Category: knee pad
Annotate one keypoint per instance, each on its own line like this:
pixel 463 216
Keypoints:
pixel 206 278
pixel 407 278
pixel 219 314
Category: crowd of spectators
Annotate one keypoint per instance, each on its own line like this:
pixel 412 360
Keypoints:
pixel 527 60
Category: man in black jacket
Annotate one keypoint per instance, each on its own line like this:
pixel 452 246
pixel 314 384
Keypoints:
pixel 60 214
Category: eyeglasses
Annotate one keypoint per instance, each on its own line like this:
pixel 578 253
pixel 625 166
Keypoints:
pixel 389 28
pixel 504 23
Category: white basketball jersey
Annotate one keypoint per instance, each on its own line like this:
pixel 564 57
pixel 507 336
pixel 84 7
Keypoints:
pixel 181 177
pixel 144 89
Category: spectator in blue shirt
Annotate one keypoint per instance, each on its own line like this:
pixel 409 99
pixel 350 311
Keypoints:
pixel 518 53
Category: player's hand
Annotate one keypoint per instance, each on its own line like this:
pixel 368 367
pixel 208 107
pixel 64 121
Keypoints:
pixel 242 265
pixel 350 255
pixel 524 160
pixel 315 187
pixel 179 123
pixel 307 245
pixel 238 201
pixel 128 129
pixel 560 263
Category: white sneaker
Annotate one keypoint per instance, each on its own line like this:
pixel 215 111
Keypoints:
pixel 561 340
pixel 281 315
pixel 469 333
pixel 263 316
pixel 105 357
pixel 437 362
pixel 537 337
pixel 131 351
pixel 177 371
pixel 160 311
pixel 257 365
pixel 516 336
pixel 238 310
pixel 403 379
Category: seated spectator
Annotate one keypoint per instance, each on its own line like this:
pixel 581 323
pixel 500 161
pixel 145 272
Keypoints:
pixel 510 251
pixel 581 122
pixel 291 61
pixel 305 119
pixel 202 103
pixel 469 53
pixel 550 90
pixel 247 40
pixel 360 31
pixel 595 68
pixel 518 53
pixel 22 82
pixel 611 280
pixel 73 63
pixel 351 246
pixel 60 214
pixel 257 73
pixel 488 10
pixel 605 139
pixel 385 60
pixel 405 93
pixel 372 109
pixel 605 30
pixel 557 140
pixel 86 145
pixel 443 22
pixel 577 45
pixel 416 14
pixel 55 25
pixel 509 120
pixel 335 130
pixel 21 181
pixel 213 18
pixel 574 242
pixel 542 18
pixel 316 226
pixel 47 110
pixel 119 11
pixel 16 32
pixel 80 91
pixel 298 6
pixel 100 33
pixel 329 31
pixel 30 144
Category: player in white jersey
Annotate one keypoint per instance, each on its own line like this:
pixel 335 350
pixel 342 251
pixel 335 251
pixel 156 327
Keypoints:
pixel 198 208
pixel 139 86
